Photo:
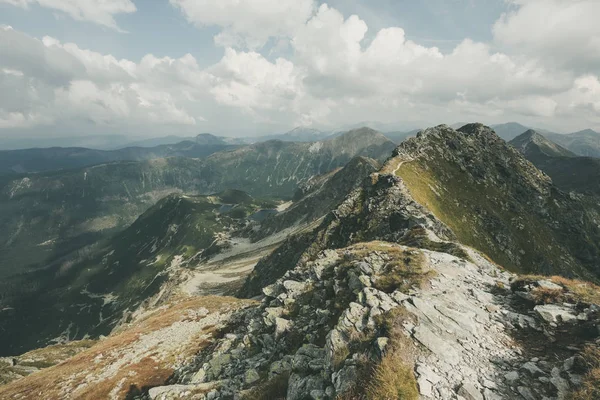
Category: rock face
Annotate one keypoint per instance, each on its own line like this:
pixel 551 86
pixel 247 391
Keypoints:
pixel 466 331
pixel 496 201
pixel 382 295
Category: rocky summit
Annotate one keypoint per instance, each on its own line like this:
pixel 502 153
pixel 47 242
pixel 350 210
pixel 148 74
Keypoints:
pixel 456 270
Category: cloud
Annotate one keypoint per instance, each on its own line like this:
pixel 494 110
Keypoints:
pixel 563 33
pixel 247 23
pixel 335 73
pixel 98 12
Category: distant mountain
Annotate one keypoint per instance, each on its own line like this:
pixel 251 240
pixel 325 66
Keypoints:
pixel 299 134
pixel 57 158
pixel 99 142
pixel 534 145
pixel 509 130
pixel 158 141
pixel 320 195
pixel 276 168
pixel 48 216
pixel 400 136
pixel 87 295
pixel 584 143
pixel 567 170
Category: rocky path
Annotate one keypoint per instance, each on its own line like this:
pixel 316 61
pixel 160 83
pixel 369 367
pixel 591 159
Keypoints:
pixel 467 333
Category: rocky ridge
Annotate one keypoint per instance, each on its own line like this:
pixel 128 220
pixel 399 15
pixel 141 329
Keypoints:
pixel 382 295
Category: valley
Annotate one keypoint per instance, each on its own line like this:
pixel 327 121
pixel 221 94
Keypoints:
pixel 447 267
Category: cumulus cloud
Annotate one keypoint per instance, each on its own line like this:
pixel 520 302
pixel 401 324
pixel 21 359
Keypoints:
pixel 561 32
pixel 247 22
pixel 98 12
pixel 335 73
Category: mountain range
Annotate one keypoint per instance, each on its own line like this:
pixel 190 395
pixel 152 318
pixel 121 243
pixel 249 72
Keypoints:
pixel 453 265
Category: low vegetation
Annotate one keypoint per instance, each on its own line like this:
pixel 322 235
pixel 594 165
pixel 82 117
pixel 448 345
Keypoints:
pixel 404 268
pixel 132 359
pixel 590 387
pixel 575 291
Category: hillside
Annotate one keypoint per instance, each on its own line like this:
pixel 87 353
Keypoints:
pixel 13 162
pixel 496 201
pixel 87 295
pixel 567 170
pixel 47 216
pixel 583 143
pixel 393 294
pixel 487 196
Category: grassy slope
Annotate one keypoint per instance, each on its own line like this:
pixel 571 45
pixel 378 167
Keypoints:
pixel 67 298
pixel 498 203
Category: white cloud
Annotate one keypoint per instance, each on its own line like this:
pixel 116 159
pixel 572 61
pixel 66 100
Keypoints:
pixel 99 12
pixel 334 74
pixel 247 22
pixel 563 33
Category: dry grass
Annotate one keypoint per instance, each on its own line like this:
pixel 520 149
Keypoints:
pixel 590 389
pixel 88 373
pixel 575 290
pixel 393 377
pixel 404 266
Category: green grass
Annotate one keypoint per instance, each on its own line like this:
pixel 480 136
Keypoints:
pixel 493 219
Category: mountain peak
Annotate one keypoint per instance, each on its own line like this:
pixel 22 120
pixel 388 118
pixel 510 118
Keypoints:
pixel 532 144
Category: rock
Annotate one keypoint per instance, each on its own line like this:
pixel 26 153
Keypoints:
pixel 251 376
pixel 180 391
pixel 491 395
pixel 512 376
pixel 425 387
pixel 492 308
pixel 280 367
pixel 526 393
pixel 469 392
pixel 381 344
pixel 437 346
pixel 271 314
pixel 562 385
pixel 545 284
pixel 522 321
pixel 555 313
pixel 282 326
pixel 336 343
pixel 216 364
pixel 318 395
pixel 294 288
pixel 532 369
pixel 299 386
pixel 344 379
pixel 272 290
pixel 425 372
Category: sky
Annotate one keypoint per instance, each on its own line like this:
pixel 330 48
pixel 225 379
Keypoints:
pixel 254 67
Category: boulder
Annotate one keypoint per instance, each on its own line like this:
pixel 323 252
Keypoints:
pixel 555 313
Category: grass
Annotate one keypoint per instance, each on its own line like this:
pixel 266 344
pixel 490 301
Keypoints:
pixel 590 388
pixel 146 369
pixel 404 267
pixel 574 290
pixel 392 378
pixel 495 219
